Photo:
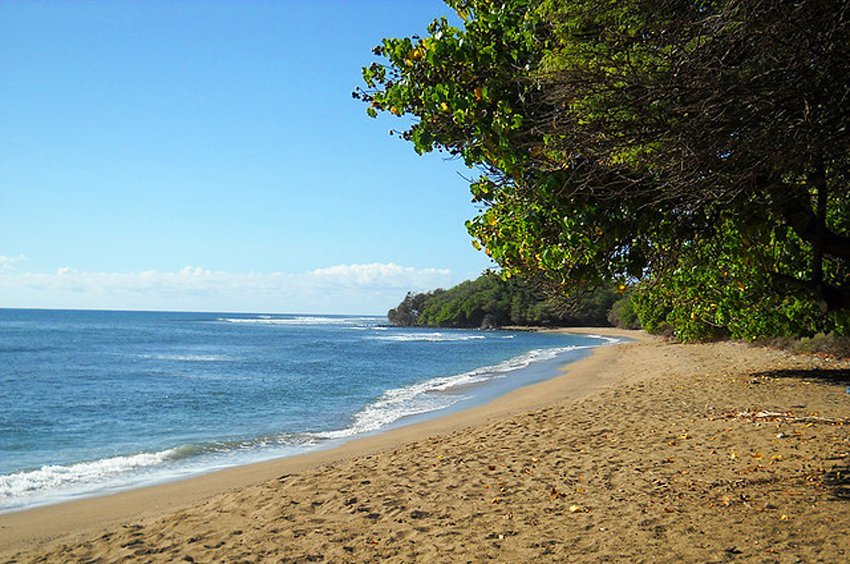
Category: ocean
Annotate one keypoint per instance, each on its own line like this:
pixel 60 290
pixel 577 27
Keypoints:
pixel 93 402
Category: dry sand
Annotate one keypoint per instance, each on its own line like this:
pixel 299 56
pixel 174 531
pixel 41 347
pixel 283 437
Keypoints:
pixel 648 451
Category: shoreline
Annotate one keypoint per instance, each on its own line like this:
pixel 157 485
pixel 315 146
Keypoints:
pixel 75 518
pixel 643 451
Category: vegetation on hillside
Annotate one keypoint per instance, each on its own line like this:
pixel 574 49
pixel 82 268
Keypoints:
pixel 489 301
pixel 697 153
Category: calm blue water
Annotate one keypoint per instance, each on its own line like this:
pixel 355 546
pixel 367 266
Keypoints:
pixel 92 402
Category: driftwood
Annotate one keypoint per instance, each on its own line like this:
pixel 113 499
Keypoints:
pixel 791 418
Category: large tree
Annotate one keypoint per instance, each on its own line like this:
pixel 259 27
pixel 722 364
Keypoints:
pixel 701 147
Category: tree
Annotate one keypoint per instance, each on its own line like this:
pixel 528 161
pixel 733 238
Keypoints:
pixel 649 140
pixel 408 311
pixel 735 109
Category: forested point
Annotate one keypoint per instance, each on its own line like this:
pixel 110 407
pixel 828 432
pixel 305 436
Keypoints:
pixel 490 302
pixel 694 152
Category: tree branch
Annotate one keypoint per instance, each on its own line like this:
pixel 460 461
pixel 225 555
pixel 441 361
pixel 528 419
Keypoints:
pixel 797 212
pixel 831 298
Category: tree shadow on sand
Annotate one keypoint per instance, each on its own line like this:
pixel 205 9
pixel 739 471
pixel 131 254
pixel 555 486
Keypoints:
pixel 837 478
pixel 837 376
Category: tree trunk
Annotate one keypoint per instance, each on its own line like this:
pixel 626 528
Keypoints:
pixel 818 180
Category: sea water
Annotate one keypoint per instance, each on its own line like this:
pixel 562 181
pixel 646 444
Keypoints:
pixel 93 402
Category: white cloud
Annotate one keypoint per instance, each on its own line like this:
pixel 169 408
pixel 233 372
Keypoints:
pixel 193 271
pixel 384 275
pixel 8 262
pixel 349 288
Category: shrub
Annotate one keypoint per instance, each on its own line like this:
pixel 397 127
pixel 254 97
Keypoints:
pixel 622 314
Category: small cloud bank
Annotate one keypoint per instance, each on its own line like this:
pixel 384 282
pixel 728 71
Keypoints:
pixel 388 275
pixel 349 288
pixel 9 262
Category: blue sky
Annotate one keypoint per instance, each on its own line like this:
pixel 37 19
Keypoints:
pixel 207 155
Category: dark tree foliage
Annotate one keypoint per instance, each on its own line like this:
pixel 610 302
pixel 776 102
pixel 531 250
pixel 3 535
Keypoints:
pixel 729 109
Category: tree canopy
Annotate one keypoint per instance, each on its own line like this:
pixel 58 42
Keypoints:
pixel 697 150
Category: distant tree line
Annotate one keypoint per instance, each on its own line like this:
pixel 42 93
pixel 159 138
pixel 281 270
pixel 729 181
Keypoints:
pixel 489 301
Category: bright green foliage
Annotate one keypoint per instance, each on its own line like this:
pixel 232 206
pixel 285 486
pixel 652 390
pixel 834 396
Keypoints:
pixel 686 149
pixel 722 287
pixel 460 83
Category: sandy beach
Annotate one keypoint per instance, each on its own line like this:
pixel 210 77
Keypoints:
pixel 645 451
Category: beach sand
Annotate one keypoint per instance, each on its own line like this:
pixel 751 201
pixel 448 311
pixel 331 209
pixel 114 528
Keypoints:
pixel 642 452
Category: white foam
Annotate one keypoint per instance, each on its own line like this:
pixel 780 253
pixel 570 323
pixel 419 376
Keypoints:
pixel 301 320
pixel 57 477
pixel 434 394
pixel 190 357
pixel 428 337
pixel 608 340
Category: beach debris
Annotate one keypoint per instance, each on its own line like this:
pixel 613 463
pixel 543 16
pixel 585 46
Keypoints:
pixel 578 509
pixel 790 417
pixel 554 494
